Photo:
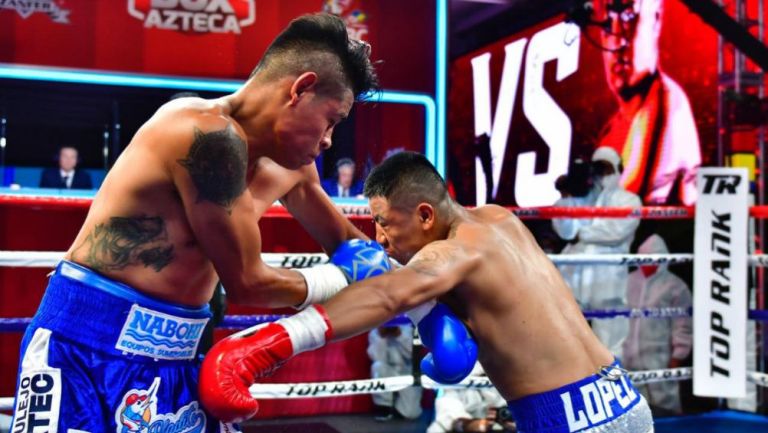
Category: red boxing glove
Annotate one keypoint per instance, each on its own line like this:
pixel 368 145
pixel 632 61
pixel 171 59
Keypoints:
pixel 234 363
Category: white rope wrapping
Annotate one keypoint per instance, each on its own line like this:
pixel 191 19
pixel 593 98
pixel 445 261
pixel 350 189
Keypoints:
pixel 758 378
pixel 638 378
pixel 49 259
pixel 662 375
pixel 620 259
pixel 330 389
pixel 398 383
pixel 30 259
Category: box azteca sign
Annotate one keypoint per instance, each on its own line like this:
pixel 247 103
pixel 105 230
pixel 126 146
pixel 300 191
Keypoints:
pixel 198 16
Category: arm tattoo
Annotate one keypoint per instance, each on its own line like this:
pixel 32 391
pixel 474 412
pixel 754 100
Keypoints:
pixel 434 260
pixel 217 162
pixel 129 241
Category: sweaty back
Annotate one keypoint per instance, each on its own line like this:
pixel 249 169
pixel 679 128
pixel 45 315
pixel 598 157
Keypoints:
pixel 531 333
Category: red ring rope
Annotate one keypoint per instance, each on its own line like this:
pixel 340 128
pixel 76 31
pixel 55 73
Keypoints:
pixel 359 211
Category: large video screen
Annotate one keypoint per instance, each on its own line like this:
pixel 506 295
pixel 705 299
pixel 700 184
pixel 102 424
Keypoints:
pixel 521 110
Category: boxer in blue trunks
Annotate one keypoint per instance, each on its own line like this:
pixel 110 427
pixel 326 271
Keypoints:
pixel 112 345
pixel 532 339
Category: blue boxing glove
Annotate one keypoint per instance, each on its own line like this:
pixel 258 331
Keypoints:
pixel 361 259
pixel 353 260
pixel 453 350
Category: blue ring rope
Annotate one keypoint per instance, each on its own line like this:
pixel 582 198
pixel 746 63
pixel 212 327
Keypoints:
pixel 19 324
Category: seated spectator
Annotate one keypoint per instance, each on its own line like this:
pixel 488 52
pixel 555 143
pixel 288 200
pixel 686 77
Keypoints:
pixel 65 176
pixel 343 183
pixel 391 348
pixel 658 343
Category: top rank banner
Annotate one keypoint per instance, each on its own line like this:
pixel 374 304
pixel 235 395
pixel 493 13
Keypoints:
pixel 720 283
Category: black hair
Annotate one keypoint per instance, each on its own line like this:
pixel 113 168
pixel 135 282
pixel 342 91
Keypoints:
pixel 320 43
pixel 406 179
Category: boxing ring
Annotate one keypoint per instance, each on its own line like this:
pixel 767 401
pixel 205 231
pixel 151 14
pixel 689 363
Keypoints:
pixel 715 421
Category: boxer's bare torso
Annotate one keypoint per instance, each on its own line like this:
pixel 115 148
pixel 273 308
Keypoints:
pixel 183 201
pixel 531 334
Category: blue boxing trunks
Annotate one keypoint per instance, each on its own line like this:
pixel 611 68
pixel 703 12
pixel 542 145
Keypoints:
pixel 101 357
pixel 605 402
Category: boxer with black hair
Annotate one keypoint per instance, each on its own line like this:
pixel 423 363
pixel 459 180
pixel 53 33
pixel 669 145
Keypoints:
pixel 483 264
pixel 114 340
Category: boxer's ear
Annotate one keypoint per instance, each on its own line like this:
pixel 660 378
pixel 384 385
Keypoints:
pixel 301 85
pixel 426 214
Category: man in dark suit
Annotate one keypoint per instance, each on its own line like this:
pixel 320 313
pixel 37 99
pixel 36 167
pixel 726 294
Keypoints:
pixel 65 176
pixel 343 184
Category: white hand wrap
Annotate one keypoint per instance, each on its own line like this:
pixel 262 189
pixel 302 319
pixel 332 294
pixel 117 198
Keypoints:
pixel 307 330
pixel 323 281
pixel 419 312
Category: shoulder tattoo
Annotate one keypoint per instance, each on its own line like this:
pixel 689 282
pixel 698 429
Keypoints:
pixel 432 261
pixel 217 162
pixel 128 241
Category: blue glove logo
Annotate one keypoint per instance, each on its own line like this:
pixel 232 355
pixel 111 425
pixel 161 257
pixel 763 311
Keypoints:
pixel 361 259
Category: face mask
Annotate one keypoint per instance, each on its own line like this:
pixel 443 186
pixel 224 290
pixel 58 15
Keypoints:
pixel 648 271
pixel 610 181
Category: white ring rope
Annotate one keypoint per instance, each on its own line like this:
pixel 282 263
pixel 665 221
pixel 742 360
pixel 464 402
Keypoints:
pixel 49 259
pixel 329 389
pixel 398 383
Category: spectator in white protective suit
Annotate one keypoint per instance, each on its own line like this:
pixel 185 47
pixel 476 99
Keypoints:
pixel 391 350
pixel 577 189
pixel 657 343
pixel 602 286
